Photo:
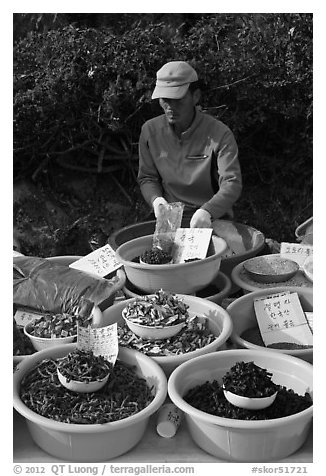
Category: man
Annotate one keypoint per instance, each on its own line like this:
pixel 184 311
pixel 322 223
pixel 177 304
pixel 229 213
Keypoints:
pixel 186 155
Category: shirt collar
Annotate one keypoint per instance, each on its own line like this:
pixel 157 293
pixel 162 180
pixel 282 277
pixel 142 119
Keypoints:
pixel 191 128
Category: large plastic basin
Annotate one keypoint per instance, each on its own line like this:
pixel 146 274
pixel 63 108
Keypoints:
pixel 253 241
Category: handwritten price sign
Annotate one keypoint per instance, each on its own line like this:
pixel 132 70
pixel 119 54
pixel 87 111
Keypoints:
pixel 191 243
pixel 24 317
pixel 281 319
pixel 100 262
pixel 100 340
pixel 296 251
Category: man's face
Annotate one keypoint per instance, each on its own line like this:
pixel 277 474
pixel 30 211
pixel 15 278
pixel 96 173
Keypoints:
pixel 179 112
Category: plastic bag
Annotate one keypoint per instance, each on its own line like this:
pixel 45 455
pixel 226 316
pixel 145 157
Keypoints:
pixel 42 285
pixel 168 221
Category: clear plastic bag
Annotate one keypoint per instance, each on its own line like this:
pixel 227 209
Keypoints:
pixel 167 222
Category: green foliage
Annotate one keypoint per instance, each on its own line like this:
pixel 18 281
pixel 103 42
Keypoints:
pixel 81 94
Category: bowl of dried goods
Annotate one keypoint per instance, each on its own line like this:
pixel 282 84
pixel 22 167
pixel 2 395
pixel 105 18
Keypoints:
pixel 270 268
pixel 246 333
pixel 263 272
pixel 82 371
pixel 237 434
pixel 50 330
pixel 186 278
pixel 88 427
pixel 206 329
pixel 246 385
pixel 243 241
pixel 160 316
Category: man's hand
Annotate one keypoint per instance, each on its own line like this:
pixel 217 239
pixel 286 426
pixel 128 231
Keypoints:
pixel 156 205
pixel 201 219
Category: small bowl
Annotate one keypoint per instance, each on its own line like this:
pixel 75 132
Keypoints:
pixel 270 268
pixel 41 343
pixel 248 402
pixel 151 332
pixel 82 387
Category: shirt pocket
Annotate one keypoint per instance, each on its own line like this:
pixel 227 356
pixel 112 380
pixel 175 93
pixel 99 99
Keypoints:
pixel 196 157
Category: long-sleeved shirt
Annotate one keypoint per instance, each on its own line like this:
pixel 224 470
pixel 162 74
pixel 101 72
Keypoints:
pixel 200 169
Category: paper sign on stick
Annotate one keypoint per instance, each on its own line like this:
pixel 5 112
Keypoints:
pixel 281 318
pixel 296 251
pixel 191 243
pixel 100 340
pixel 100 262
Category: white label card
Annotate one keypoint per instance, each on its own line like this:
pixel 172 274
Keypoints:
pixel 281 318
pixel 296 251
pixel 191 243
pixel 24 317
pixel 99 262
pixel 100 340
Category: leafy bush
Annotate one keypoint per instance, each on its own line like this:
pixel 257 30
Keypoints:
pixel 82 94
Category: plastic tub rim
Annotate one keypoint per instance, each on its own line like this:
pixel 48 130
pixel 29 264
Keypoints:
pixel 257 248
pixel 224 292
pixel 37 419
pixel 192 412
pixel 156 267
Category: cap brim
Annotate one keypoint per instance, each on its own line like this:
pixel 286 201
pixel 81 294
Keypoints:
pixel 170 92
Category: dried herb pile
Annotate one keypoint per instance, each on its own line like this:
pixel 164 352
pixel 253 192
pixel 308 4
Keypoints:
pixel 249 380
pixel 209 398
pixel 53 326
pixel 156 256
pixel 160 310
pixel 84 366
pixel 195 336
pixel 123 395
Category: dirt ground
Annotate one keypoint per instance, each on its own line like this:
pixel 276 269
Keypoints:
pixel 69 213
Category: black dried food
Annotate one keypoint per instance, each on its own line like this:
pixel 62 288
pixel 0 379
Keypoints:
pixel 247 379
pixel 156 256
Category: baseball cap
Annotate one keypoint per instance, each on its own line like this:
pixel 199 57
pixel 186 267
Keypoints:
pixel 173 79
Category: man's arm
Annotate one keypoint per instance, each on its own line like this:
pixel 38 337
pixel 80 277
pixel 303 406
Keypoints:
pixel 230 179
pixel 148 178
